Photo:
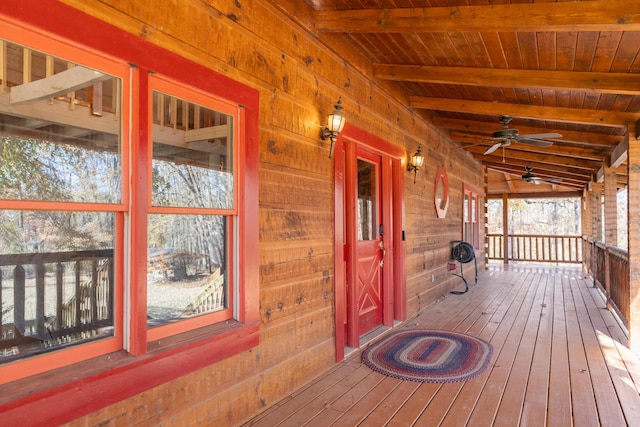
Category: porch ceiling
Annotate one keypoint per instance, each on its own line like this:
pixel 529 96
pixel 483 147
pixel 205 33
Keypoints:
pixel 554 67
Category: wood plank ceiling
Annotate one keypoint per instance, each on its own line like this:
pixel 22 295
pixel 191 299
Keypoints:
pixel 566 67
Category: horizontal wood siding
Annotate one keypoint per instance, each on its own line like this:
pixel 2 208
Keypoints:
pixel 299 78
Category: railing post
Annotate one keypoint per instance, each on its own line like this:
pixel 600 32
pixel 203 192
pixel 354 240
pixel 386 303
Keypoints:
pixel 505 228
pixel 18 299
pixel 607 276
pixel 59 288
pixel 78 300
pixel 93 291
pixel 40 271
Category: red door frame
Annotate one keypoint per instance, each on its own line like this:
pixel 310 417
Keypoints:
pixel 393 178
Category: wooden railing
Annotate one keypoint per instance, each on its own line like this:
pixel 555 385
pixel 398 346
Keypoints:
pixel 609 267
pixel 210 299
pixel 57 298
pixel 535 248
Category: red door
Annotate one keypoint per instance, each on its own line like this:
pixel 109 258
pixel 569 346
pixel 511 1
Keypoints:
pixel 369 205
pixel 369 245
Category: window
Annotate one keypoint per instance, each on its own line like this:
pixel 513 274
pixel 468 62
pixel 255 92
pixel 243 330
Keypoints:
pixel 367 203
pixel 470 228
pixel 193 209
pixel 119 240
pixel 62 195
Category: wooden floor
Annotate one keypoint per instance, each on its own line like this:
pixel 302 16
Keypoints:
pixel 560 358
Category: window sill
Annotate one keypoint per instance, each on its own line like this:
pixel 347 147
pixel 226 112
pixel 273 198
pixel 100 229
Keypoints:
pixel 64 394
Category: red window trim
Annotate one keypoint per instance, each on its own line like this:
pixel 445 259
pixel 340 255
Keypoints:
pixel 53 398
pixel 33 402
pixel 159 84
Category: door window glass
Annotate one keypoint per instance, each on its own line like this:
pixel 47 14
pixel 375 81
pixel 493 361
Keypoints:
pixel 367 202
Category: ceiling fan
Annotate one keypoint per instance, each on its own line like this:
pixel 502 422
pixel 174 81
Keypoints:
pixel 506 136
pixel 532 178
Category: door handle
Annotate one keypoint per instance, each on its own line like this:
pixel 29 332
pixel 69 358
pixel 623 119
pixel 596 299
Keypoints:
pixel 384 252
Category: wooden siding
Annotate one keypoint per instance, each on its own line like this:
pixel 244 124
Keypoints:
pixel 560 358
pixel 299 77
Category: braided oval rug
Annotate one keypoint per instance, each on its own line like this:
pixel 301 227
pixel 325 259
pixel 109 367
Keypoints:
pixel 429 356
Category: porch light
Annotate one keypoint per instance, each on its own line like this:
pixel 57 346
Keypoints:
pixel 417 160
pixel 335 123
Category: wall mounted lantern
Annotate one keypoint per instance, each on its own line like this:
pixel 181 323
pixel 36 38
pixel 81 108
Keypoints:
pixel 417 160
pixel 335 123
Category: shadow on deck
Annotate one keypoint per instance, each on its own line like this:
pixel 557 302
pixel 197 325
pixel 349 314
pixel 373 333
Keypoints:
pixel 560 358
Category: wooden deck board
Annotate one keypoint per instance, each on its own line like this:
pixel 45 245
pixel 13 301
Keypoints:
pixel 359 412
pixel 619 376
pixel 609 410
pixel 467 399
pixel 334 410
pixel 585 411
pixel 387 408
pixel 559 407
pixel 560 358
pixel 508 336
pixel 534 409
pixel 510 408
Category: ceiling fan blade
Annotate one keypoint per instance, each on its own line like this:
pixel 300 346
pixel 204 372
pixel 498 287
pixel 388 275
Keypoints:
pixel 535 142
pixel 551 135
pixel 493 148
pixel 465 146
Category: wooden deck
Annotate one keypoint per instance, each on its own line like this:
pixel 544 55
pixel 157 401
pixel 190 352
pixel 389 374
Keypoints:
pixel 560 358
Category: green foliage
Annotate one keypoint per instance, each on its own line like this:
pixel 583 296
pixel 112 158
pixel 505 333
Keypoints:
pixel 27 171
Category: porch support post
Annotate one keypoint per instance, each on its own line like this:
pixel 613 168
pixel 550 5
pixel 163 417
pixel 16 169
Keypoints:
pixel 633 203
pixel 596 211
pixel 586 212
pixel 610 207
pixel 505 228
pixel 586 228
pixel 610 222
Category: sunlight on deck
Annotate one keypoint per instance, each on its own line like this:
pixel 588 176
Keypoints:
pixel 560 358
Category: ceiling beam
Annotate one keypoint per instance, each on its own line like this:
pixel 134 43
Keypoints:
pixel 66 81
pixel 578 175
pixel 59 112
pixel 509 181
pixel 541 195
pixel 513 170
pixel 515 177
pixel 614 83
pixel 539 112
pixel 509 155
pixel 596 140
pixel 556 149
pixel 619 153
pixel 610 15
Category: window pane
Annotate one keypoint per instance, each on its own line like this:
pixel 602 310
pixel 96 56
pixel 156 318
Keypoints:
pixel 64 146
pixel 367 201
pixel 192 155
pixel 56 280
pixel 474 215
pixel 186 274
pixel 465 208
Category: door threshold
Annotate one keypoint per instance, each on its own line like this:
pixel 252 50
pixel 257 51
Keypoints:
pixel 376 333
pixel 369 337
